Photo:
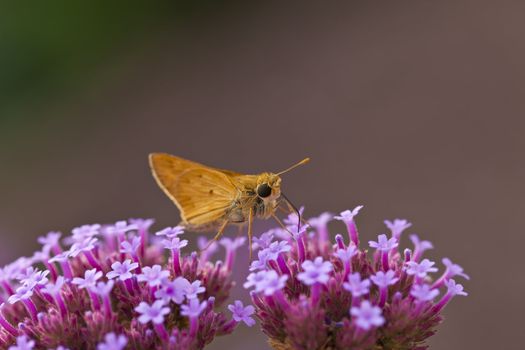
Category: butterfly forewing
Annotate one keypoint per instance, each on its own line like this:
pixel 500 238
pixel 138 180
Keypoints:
pixel 202 194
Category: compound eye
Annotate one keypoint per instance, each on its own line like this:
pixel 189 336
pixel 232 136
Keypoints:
pixel 264 190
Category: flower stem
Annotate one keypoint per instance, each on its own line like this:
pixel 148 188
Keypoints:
pixel 383 295
pixel 94 300
pixel 61 305
pixel 384 260
pixel 8 326
pixel 301 249
pixel 161 331
pixel 194 325
pixel 66 269
pixel 282 265
pixel 31 309
pixel 352 232
pixel 175 255
pixel 92 261
pixel 315 293
pixel 143 242
pixel 279 296
pixel 107 305
pixel 7 287
pixel 129 286
pixel 442 303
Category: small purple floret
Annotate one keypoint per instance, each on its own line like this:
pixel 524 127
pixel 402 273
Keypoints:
pixel 113 342
pixel 242 313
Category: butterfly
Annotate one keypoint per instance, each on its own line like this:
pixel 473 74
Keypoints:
pixel 211 199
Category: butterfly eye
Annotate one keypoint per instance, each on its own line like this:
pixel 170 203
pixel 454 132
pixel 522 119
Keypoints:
pixel 264 190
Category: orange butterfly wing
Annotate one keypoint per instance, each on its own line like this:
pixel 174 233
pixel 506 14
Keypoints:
pixel 202 194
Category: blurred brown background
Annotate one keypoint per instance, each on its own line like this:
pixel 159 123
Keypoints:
pixel 414 109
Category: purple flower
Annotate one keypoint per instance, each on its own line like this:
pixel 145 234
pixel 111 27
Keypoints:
pixel 122 271
pixel 54 288
pixel 384 279
pixel 367 315
pixel 455 288
pixel 338 294
pixel 152 312
pixel 346 254
pixel 153 276
pixel 419 246
pixel 113 342
pixel 348 215
pixel 263 241
pixel 119 228
pixel 317 271
pixel 174 243
pixel 193 308
pixel 266 281
pixel 255 279
pixel 32 277
pixel 383 243
pixel 142 224
pixel 320 224
pixel 272 283
pixel 131 247
pixel 22 293
pixel 420 269
pixel 356 286
pixel 277 248
pixel 230 244
pixel 207 248
pixel 451 270
pixel 61 257
pixel 454 269
pixel 173 290
pixel 84 232
pixel 397 227
pixel 102 288
pixel 292 219
pixel 321 221
pixel 77 285
pixel 242 313
pixel 194 289
pixel 171 232
pixel 90 279
pixel 423 292
pixel 84 245
pixel 262 261
pixel 23 343
pixel 51 240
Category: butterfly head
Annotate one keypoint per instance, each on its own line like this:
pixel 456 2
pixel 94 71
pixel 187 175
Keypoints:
pixel 268 186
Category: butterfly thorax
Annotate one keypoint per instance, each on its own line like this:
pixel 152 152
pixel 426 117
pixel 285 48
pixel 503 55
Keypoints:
pixel 258 193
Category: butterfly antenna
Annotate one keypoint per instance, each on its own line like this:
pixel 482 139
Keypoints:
pixel 304 161
pixel 294 209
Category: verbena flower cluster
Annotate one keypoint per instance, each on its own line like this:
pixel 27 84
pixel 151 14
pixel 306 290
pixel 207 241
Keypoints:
pixel 117 287
pixel 312 293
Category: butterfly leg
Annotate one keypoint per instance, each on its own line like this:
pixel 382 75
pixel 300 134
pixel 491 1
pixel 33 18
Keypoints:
pixel 250 220
pixel 281 224
pixel 218 235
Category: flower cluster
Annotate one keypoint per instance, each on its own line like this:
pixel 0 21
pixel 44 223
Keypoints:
pixel 117 287
pixel 311 293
